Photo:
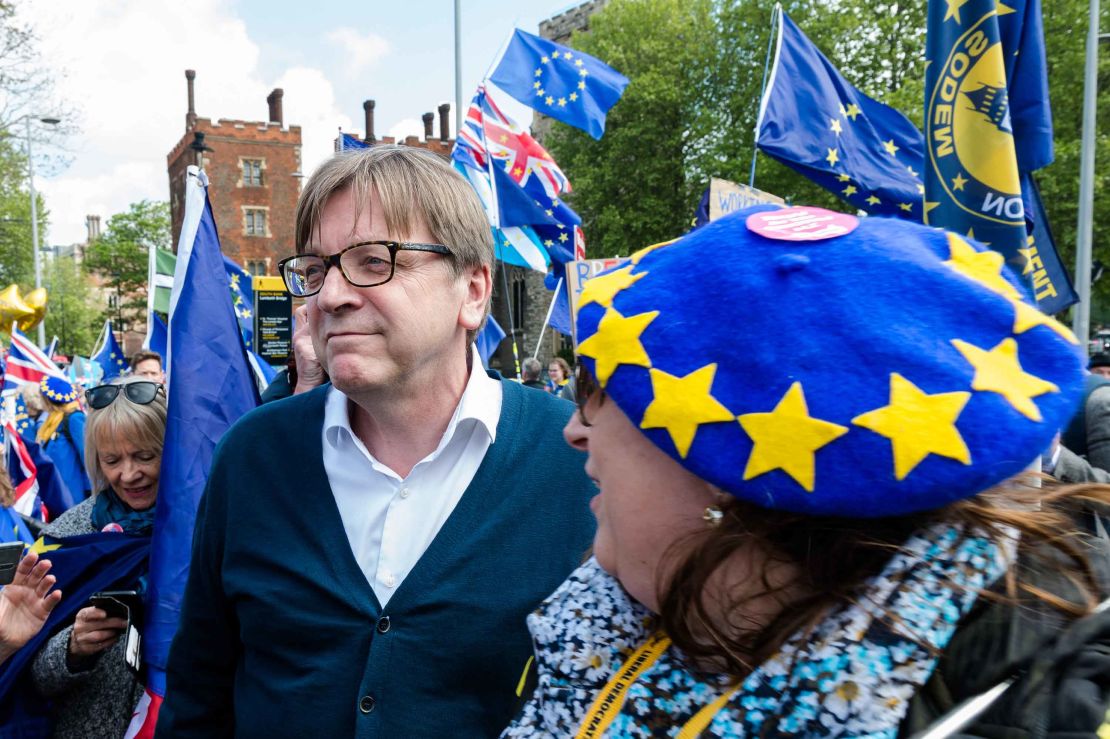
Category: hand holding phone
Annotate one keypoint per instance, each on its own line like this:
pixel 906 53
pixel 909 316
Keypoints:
pixel 98 625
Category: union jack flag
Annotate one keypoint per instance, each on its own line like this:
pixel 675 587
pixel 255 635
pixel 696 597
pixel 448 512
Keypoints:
pixel 26 364
pixel 23 473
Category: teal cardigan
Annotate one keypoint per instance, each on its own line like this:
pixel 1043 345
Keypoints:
pixel 281 634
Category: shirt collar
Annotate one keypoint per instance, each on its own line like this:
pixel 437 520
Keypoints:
pixel 480 403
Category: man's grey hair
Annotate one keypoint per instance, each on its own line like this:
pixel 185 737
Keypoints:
pixel 413 186
pixel 530 369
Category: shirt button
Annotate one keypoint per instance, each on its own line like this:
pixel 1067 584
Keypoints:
pixel 404 492
pixel 366 703
pixel 390 580
pixel 383 624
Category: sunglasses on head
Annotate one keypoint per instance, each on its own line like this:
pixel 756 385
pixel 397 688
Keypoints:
pixel 140 393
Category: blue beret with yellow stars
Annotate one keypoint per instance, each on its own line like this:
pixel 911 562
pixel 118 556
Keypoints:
pixel 891 369
pixel 57 390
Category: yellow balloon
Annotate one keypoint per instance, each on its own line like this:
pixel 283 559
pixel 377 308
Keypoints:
pixel 36 301
pixel 12 308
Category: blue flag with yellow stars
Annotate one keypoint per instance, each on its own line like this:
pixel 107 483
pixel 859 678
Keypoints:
pixel 558 81
pixel 242 298
pixel 111 356
pixel 815 122
pixel 987 118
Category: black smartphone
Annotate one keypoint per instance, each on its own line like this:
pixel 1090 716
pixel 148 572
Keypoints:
pixel 123 604
pixel 10 554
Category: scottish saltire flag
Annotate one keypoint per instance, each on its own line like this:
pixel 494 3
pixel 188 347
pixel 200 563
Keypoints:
pixel 157 335
pixel 51 348
pixel 210 386
pixel 242 298
pixel 40 492
pixel 558 81
pixel 110 355
pixel 25 363
pixel 489 339
pixel 815 122
pixel 987 118
pixel 82 565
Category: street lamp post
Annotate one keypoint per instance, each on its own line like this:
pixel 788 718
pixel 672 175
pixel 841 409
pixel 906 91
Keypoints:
pixel 35 215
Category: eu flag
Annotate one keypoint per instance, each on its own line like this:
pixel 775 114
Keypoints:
pixel 558 81
pixel 815 122
pixel 110 355
pixel 157 336
pixel 211 385
pixel 987 117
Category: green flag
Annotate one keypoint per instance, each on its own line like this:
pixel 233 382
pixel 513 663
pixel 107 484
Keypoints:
pixel 164 263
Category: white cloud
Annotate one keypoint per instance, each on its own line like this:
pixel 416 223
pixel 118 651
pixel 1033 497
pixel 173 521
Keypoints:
pixel 361 51
pixel 407 127
pixel 128 80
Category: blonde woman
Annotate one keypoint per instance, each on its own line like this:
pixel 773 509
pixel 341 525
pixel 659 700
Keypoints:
pixel 82 668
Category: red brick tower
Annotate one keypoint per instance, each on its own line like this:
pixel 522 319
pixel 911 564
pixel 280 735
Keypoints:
pixel 254 175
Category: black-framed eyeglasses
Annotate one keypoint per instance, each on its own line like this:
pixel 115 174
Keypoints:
pixel 585 387
pixel 365 264
pixel 141 393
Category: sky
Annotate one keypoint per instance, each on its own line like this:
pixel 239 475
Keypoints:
pixel 120 65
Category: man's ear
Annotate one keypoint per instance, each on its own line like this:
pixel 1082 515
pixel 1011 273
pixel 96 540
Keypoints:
pixel 479 287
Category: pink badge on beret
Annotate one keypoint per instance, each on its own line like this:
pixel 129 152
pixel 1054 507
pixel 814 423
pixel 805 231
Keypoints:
pixel 801 223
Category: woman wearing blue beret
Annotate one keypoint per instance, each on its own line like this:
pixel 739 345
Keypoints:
pixel 809 432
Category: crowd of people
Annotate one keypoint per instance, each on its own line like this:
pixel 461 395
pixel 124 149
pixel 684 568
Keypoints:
pixel 724 532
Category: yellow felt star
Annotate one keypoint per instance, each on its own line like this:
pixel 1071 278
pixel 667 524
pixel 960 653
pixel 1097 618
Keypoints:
pixel 834 124
pixel 852 111
pixel 617 342
pixel 603 289
pixel 959 181
pixel 849 191
pixel 1026 317
pixel 891 147
pixel 918 424
pixel 681 404
pixel 985 267
pixel 832 158
pixel 637 256
pixel 998 370
pixel 872 200
pixel 954 9
pixel 787 439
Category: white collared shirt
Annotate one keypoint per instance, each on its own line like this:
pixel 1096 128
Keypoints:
pixel 390 521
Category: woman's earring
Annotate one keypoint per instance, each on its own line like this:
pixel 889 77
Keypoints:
pixel 713 516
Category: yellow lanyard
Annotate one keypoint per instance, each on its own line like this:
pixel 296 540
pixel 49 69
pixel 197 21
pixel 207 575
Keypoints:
pixel 608 703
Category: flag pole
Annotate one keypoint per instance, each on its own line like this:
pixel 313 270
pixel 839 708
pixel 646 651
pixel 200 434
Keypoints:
pixel 547 318
pixel 1081 321
pixel 763 89
pixel 512 327
pixel 458 67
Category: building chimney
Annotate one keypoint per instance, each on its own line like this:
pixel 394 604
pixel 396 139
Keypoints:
pixel 444 121
pixel 428 118
pixel 274 101
pixel 368 108
pixel 92 225
pixel 191 116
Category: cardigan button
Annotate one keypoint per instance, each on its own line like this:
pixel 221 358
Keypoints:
pixel 366 703
pixel 383 624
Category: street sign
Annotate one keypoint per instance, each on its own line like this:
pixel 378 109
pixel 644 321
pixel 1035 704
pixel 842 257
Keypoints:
pixel 273 320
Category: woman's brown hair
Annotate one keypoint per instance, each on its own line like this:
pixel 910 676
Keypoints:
pixel 835 556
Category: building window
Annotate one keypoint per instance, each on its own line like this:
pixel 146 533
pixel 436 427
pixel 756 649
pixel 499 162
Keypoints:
pixel 254 222
pixel 256 267
pixel 252 172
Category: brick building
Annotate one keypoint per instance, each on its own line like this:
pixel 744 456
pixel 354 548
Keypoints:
pixel 254 175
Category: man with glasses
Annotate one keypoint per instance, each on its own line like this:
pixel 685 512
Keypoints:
pixel 367 552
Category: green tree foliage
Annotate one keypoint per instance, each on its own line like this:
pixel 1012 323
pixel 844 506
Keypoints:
pixel 71 313
pixel 696 70
pixel 16 255
pixel 120 256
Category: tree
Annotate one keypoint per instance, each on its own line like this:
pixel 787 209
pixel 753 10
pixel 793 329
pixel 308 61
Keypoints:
pixel 120 256
pixel 16 256
pixel 71 314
